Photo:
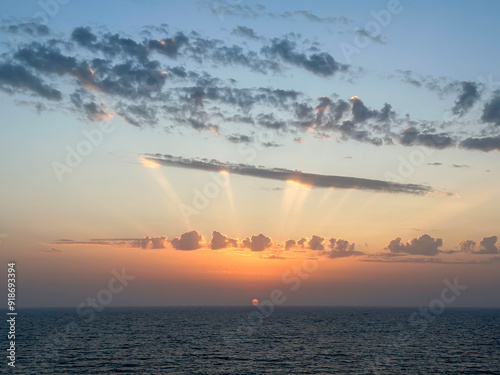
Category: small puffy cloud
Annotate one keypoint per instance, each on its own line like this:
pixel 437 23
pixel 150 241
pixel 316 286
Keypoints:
pixel 187 241
pixel 423 245
pixel 302 242
pixel 340 248
pixel 487 245
pixel 290 244
pixel 257 243
pixel 219 241
pixel 316 243
pixel 245 32
pixel 467 246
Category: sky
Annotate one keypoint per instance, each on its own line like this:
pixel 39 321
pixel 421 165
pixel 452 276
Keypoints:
pixel 345 153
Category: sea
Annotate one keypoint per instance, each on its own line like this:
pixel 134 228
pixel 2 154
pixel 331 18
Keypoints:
pixel 257 340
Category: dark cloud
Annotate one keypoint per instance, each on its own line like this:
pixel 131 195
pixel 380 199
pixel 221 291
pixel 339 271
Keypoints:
pixel 145 83
pixel 309 179
pixel 16 77
pixel 219 241
pixel 491 111
pixel 83 36
pixel 321 64
pixel 290 244
pixel 468 96
pixel 423 245
pixel 245 32
pixel 467 246
pixel 374 38
pixel 316 243
pixel 187 241
pixel 412 136
pixel 169 46
pixel 240 138
pixel 482 144
pixel 487 246
pixel 257 243
pixel 31 29
pixel 340 248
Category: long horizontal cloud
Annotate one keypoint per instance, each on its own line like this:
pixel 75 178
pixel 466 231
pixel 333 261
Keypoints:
pixel 307 179
pixel 423 249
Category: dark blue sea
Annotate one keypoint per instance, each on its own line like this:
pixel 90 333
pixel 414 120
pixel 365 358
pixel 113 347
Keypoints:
pixel 225 340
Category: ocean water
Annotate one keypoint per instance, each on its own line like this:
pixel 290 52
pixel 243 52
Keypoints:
pixel 291 340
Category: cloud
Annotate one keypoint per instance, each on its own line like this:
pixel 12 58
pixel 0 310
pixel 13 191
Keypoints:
pixel 233 8
pixel 236 8
pixel 340 248
pixel 31 29
pixel 362 113
pixel 314 18
pixel 257 243
pixel 467 246
pixel 412 136
pixel 423 245
pixel 245 32
pixel 491 111
pixel 239 138
pixel 487 245
pixel 442 86
pixel 374 38
pixel 51 250
pixel 289 244
pixel 219 241
pixel 316 243
pixel 308 179
pixel 145 80
pixel 321 64
pixel 482 144
pixel 468 96
pixel 187 241
pixel 16 77
pixel 147 242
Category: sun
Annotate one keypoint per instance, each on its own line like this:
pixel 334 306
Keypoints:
pixel 255 302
